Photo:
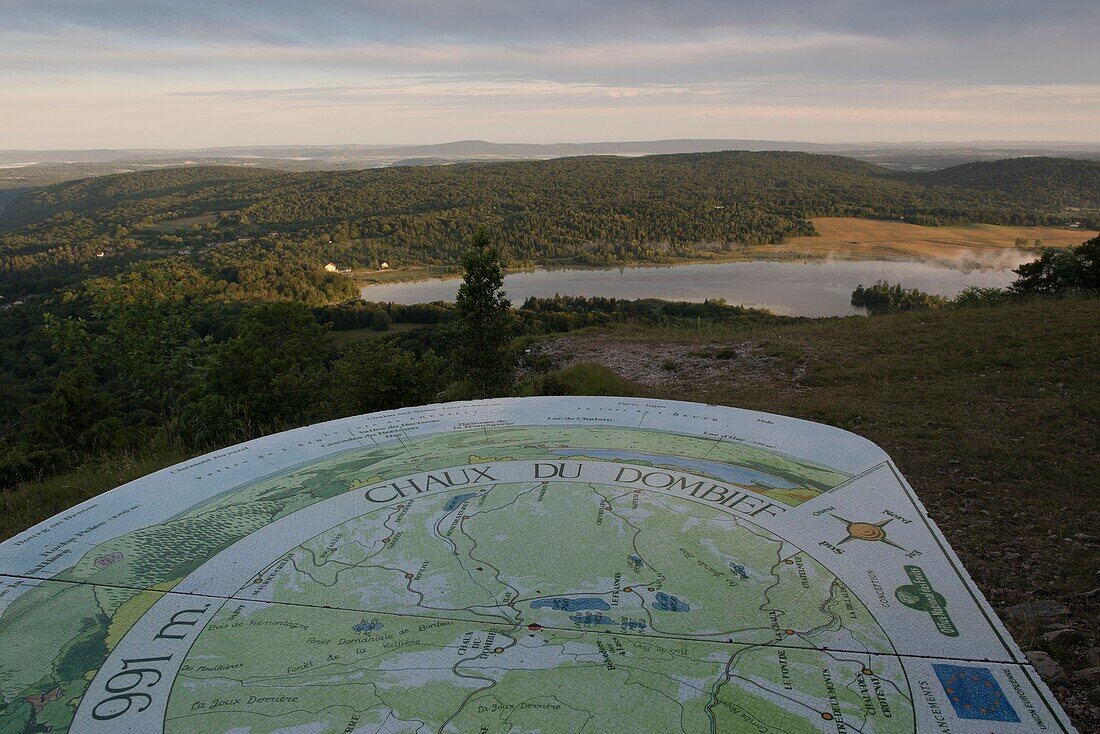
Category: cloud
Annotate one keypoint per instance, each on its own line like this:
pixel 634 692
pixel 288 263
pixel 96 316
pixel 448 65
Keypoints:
pixel 501 21
pixel 98 50
pixel 882 101
pixel 871 67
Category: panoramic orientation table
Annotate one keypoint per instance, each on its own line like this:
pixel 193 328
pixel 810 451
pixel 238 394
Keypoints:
pixel 533 564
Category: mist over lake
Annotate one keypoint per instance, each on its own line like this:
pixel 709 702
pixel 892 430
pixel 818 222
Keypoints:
pixel 804 288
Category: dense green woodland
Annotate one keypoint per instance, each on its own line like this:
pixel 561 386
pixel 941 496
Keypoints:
pixel 148 359
pixel 122 364
pixel 121 329
pixel 593 210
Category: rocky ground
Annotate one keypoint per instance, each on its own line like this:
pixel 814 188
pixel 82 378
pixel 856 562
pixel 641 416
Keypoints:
pixel 669 365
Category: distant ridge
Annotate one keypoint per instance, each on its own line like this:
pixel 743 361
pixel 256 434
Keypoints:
pixel 583 210
pixel 484 148
pixel 21 170
pixel 1018 190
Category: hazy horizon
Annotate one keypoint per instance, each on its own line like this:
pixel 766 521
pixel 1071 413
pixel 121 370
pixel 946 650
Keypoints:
pixel 854 144
pixel 154 74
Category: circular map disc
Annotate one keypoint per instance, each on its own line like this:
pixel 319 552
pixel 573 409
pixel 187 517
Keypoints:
pixel 518 565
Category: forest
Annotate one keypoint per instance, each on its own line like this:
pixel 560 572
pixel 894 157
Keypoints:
pixel 588 210
pixel 189 308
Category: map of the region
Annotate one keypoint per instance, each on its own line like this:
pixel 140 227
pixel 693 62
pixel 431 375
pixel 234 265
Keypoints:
pixel 527 565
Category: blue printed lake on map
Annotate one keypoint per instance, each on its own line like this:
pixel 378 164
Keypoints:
pixel 572 605
pixel 454 502
pixel 669 603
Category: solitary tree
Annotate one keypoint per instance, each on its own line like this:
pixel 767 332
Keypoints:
pixel 484 359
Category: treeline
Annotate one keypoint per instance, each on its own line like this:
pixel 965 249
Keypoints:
pixel 125 364
pixel 133 197
pixel 364 314
pixel 547 315
pixel 566 313
pixel 1039 183
pixel 593 210
pixel 1054 272
pixel 265 268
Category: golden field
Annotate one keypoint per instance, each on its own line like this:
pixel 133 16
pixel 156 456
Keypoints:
pixel 849 237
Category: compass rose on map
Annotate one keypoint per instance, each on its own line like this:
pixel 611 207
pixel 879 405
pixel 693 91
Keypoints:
pixel 871 532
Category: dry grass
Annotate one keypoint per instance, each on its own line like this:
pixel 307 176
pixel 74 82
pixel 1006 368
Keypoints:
pixel 849 237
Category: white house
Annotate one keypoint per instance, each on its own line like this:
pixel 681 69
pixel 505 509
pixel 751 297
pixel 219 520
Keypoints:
pixel 384 266
pixel 330 267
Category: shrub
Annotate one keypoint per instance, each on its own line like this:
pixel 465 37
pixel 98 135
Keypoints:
pixel 972 296
pixel 373 375
pixel 592 379
pixel 885 298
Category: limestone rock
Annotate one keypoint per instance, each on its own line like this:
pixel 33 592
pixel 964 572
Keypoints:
pixel 1044 609
pixel 1046 666
pixel 1066 635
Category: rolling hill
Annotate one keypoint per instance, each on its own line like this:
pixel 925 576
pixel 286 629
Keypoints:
pixel 589 210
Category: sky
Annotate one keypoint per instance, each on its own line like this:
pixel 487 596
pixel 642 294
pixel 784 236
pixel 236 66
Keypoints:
pixel 204 73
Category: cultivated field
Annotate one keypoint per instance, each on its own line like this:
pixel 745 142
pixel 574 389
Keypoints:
pixel 850 237
pixel 172 225
pixel 843 238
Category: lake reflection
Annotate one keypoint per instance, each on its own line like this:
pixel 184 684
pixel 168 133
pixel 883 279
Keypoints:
pixel 806 288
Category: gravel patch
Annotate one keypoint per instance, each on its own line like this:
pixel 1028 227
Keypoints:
pixel 664 364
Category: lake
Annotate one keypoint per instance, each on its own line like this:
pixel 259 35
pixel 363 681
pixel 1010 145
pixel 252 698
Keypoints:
pixel 798 288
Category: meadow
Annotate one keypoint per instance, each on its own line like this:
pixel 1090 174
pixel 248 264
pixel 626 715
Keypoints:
pixel 875 239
